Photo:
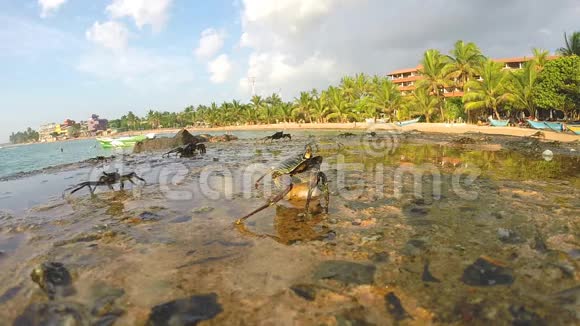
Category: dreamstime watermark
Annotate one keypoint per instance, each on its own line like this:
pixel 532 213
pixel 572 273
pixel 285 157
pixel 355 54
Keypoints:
pixel 179 181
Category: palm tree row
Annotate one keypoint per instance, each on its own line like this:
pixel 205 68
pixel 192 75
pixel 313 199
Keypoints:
pixel 484 86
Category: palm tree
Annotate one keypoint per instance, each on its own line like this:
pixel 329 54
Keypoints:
pixel 464 62
pixel 337 104
pixel 258 106
pixel 434 78
pixel 522 86
pixel 489 93
pixel 423 102
pixel 572 45
pixel 540 58
pixel 319 107
pixel 385 98
pixel 302 106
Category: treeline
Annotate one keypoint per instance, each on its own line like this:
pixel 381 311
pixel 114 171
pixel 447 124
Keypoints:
pixel 542 84
pixel 26 136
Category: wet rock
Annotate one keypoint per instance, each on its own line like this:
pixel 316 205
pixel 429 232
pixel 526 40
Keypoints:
pixel 508 236
pixel 574 254
pixel 9 294
pixel 414 247
pixel 149 217
pixel 332 221
pixel 524 317
pixel 345 272
pixel 356 222
pixel 539 244
pixel 54 279
pixel 418 211
pixel 486 272
pixel 181 219
pixel 380 257
pixel 499 215
pixel 427 276
pixel 305 291
pixel 202 210
pixel 105 302
pixel 188 311
pixel 394 307
pixel 54 313
pixel 183 137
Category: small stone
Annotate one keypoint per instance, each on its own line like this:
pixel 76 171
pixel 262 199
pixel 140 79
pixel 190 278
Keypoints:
pixel 487 272
pixel 305 291
pixel 181 219
pixel 395 307
pixel 202 210
pixel 380 257
pixel 149 216
pixel 216 159
pixel 357 222
pixel 522 316
pixel 499 215
pixel 508 236
pixel 188 311
pixel 332 221
pixel 345 272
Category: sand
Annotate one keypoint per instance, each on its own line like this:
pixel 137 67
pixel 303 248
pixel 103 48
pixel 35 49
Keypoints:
pixel 423 127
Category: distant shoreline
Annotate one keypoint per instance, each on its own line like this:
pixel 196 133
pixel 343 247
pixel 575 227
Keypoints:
pixel 423 127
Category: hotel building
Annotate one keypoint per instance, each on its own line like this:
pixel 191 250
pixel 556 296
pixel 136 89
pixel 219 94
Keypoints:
pixel 406 79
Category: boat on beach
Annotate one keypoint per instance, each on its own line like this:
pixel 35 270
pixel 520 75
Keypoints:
pixel 498 123
pixel 574 128
pixel 407 122
pixel 546 125
pixel 122 142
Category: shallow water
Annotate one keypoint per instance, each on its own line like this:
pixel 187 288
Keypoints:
pixel 407 218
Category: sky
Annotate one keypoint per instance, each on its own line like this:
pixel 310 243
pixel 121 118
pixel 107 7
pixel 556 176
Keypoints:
pixel 70 58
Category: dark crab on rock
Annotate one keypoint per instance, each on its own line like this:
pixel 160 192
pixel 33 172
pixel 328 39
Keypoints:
pixel 188 150
pixel 107 179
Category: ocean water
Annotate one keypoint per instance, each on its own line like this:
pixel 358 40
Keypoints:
pixel 27 158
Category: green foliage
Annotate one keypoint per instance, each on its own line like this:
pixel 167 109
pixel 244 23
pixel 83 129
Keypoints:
pixel 558 85
pixel 571 45
pixel 26 136
pixel 454 109
pixel 490 93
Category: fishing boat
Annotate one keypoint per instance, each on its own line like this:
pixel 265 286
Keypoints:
pixel 498 123
pixel 122 142
pixel 407 122
pixel 574 128
pixel 545 125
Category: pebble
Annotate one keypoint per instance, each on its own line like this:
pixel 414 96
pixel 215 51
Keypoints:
pixel 357 222
pixel 54 279
pixel 486 272
pixel 187 311
pixel 345 272
pixel 371 238
pixel 508 236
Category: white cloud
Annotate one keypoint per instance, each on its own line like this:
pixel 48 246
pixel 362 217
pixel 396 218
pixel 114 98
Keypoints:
pixel 210 42
pixel 112 35
pixel 138 68
pixel 220 69
pixel 144 12
pixel 301 44
pixel 49 6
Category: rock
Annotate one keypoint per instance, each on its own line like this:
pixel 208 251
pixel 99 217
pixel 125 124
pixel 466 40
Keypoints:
pixel 305 291
pixel 181 219
pixel 548 155
pixel 539 244
pixel 54 279
pixel 499 215
pixel 86 237
pixel 524 317
pixel 345 272
pixel 188 311
pixel 427 276
pixel 183 137
pixel 148 217
pixel 105 303
pixel 508 236
pixel 356 222
pixel 487 272
pixel 395 307
pixel 414 247
pixel 54 313
pixel 380 257
pixel 201 210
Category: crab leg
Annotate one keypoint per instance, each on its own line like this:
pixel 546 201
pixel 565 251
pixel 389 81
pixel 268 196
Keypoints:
pixel 269 203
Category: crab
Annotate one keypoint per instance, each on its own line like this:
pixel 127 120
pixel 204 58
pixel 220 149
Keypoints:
pixel 107 179
pixel 278 135
pixel 283 174
pixel 187 150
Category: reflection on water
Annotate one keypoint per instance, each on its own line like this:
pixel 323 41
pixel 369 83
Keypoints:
pixel 403 241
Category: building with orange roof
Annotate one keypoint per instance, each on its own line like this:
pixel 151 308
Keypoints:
pixel 406 79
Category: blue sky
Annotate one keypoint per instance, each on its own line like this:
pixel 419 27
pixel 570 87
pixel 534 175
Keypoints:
pixel 71 58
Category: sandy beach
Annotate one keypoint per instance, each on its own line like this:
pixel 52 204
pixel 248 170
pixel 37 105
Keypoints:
pixel 423 127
